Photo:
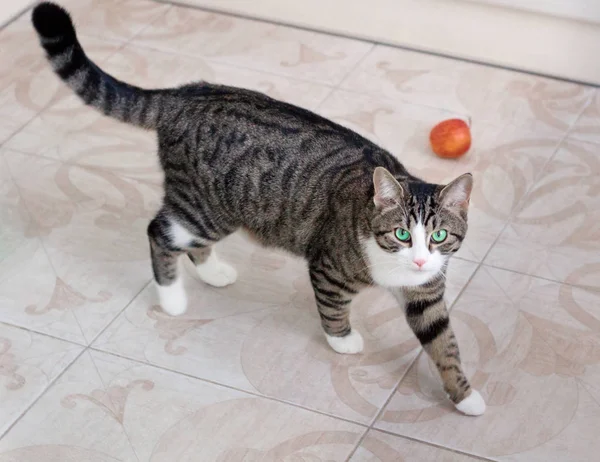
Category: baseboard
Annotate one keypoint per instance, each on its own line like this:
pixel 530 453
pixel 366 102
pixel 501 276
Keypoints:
pixel 542 44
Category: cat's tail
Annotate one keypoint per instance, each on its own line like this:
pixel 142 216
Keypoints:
pixel 94 86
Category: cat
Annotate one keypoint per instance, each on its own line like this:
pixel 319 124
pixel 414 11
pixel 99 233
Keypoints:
pixel 237 159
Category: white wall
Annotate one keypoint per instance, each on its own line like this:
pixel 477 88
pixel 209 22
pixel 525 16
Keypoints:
pixel 587 10
pixel 473 29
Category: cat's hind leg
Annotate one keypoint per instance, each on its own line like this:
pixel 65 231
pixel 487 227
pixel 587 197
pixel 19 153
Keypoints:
pixel 165 249
pixel 210 268
pixel 170 237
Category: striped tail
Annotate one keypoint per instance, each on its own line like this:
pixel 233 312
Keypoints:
pixel 96 88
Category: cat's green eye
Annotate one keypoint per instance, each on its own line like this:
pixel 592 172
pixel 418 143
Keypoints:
pixel 439 236
pixel 402 235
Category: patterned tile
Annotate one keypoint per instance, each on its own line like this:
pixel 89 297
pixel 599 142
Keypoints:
pixel 99 410
pixel 72 132
pixel 532 347
pixel 114 19
pixel 263 334
pixel 556 232
pixel 253 44
pixel 82 241
pixel 504 161
pixel 78 189
pixel 382 447
pixel 29 362
pixel 587 127
pixel 487 95
pixel 27 83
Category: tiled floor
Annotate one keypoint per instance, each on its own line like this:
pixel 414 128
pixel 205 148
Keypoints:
pixel 90 368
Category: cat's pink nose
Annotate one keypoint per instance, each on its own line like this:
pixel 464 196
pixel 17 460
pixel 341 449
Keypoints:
pixel 419 262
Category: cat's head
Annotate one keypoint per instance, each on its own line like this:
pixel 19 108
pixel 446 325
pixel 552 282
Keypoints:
pixel 416 227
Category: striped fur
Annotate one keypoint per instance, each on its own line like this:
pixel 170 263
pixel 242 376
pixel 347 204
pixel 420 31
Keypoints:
pixel 428 317
pixel 235 158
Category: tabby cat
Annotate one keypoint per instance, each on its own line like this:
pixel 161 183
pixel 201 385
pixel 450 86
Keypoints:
pixel 237 159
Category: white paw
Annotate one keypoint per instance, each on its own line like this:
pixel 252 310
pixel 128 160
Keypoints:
pixel 173 299
pixel 216 273
pixel 472 404
pixel 350 344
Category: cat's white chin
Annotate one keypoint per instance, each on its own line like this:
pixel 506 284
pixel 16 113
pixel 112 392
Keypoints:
pixel 397 269
pixel 472 405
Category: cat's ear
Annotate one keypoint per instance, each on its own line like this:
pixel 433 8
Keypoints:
pixel 387 189
pixel 457 193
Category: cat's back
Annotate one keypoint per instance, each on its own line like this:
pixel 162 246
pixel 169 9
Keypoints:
pixel 265 117
pixel 277 169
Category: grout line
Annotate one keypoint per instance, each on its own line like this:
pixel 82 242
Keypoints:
pixel 356 66
pixel 31 217
pixel 480 264
pixel 410 366
pixel 534 182
pixel 111 400
pixel 53 102
pixel 226 12
pixel 578 118
pixel 435 445
pixel 224 62
pixel 324 100
pixel 229 387
pixel 384 405
pixel 536 179
pixel 464 288
pixel 17 15
pixel 43 334
pixel 457 257
pixel 543 278
pixel 150 22
pixel 524 198
pixel 121 311
pixel 357 445
pixel 396 99
pixel 42 393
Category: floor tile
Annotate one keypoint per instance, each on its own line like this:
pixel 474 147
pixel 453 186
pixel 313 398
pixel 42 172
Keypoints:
pixel 115 19
pixel 556 232
pixel 382 447
pixel 263 335
pixel 157 69
pixel 70 131
pixel 587 127
pixel 253 44
pixel 83 243
pixel 504 161
pixel 99 411
pixel 29 362
pixel 532 347
pixel 486 94
pixel 78 189
pixel 23 263
pixel 27 82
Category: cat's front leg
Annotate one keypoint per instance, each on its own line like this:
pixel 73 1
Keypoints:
pixel 333 296
pixel 428 317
